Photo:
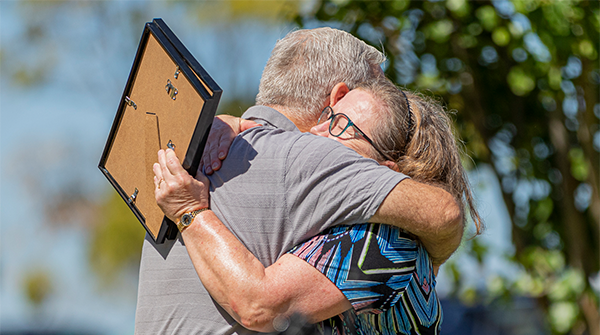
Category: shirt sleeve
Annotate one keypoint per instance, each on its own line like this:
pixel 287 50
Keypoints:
pixel 371 264
pixel 328 184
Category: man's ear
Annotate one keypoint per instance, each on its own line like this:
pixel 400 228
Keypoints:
pixel 391 165
pixel 338 92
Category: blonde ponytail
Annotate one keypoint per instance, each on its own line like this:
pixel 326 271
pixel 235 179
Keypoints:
pixel 417 132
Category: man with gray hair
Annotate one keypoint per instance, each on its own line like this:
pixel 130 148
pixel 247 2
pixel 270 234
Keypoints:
pixel 279 186
pixel 306 65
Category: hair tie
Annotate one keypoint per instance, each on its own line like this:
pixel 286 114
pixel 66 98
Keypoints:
pixel 410 122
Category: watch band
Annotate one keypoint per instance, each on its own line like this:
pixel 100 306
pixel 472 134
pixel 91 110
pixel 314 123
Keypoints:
pixel 187 218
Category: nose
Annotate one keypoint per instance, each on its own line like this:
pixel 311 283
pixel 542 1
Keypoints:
pixel 321 129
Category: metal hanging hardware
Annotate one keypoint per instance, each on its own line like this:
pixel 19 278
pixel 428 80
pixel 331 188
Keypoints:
pixel 177 72
pixel 133 196
pixel 170 145
pixel 171 90
pixel 130 102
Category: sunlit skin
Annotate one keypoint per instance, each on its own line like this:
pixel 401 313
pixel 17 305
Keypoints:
pixel 362 109
pixel 265 293
pixel 358 105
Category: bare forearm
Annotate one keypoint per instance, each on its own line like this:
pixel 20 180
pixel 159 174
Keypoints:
pixel 251 294
pixel 426 211
pixel 440 248
pixel 230 273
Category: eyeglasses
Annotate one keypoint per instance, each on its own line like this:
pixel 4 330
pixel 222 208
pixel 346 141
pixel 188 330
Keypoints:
pixel 340 122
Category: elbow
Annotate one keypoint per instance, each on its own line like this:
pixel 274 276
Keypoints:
pixel 257 315
pixel 257 322
pixel 451 224
pixel 446 234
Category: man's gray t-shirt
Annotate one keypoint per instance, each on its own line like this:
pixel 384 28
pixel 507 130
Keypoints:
pixel 278 187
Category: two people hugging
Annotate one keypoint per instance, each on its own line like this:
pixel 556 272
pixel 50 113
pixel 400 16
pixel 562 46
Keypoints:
pixel 347 228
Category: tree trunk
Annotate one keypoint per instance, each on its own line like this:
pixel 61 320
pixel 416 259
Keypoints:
pixel 572 220
pixel 590 312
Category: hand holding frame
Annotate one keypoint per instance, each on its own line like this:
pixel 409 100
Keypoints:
pixel 176 191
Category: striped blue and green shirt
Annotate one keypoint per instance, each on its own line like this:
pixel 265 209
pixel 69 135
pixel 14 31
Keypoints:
pixel 385 273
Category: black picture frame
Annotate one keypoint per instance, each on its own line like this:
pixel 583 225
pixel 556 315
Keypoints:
pixel 204 86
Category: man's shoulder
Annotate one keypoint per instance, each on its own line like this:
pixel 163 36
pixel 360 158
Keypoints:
pixel 265 138
pixel 260 151
pixel 277 138
pixel 280 134
pixel 265 115
pixel 295 144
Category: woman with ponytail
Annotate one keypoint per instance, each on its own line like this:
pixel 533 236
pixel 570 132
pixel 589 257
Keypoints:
pixel 418 136
pixel 384 277
pixel 414 136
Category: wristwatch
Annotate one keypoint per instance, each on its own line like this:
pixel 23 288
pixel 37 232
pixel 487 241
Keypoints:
pixel 188 218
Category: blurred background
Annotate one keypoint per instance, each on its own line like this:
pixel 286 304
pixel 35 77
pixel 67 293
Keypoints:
pixel 520 78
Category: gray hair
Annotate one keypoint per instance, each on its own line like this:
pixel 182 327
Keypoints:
pixel 306 64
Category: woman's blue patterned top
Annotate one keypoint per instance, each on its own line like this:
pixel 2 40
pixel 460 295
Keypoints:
pixel 386 275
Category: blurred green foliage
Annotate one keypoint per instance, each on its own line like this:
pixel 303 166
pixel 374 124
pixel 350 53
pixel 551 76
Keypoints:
pixel 116 240
pixel 523 78
pixel 37 286
pixel 210 12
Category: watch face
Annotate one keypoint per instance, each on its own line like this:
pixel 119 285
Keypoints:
pixel 186 219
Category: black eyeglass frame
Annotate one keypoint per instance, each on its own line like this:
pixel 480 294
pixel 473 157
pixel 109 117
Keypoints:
pixel 332 117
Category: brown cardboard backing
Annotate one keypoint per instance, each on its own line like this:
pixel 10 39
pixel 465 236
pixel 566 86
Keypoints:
pixel 144 130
